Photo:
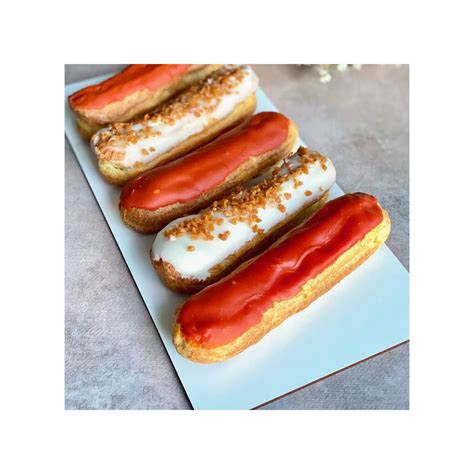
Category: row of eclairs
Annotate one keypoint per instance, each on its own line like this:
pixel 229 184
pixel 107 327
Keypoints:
pixel 240 211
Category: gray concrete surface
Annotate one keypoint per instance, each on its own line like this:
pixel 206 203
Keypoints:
pixel 114 358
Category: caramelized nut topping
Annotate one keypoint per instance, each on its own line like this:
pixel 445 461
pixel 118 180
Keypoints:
pixel 297 183
pixel 224 235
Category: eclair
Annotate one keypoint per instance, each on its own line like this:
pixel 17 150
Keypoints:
pixel 186 121
pixel 229 316
pixel 189 183
pixel 131 93
pixel 197 250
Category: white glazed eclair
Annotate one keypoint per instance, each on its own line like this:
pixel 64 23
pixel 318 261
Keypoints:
pixel 195 251
pixel 185 122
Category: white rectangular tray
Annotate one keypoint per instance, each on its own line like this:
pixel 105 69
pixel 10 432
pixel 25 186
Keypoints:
pixel 365 314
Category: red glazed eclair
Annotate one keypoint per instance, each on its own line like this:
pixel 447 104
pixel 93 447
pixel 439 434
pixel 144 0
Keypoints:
pixel 193 181
pixel 133 92
pixel 208 108
pixel 236 312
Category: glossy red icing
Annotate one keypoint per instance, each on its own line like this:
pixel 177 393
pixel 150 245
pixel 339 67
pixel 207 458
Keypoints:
pixel 187 178
pixel 133 78
pixel 225 310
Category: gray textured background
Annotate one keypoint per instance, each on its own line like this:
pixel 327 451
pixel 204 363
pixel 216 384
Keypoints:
pixel 114 358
